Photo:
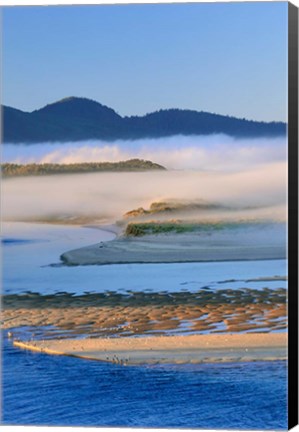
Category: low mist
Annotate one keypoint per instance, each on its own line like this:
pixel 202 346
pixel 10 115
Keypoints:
pixel 107 196
pixel 213 152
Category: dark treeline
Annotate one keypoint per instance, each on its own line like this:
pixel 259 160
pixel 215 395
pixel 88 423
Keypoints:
pixel 13 170
pixel 77 119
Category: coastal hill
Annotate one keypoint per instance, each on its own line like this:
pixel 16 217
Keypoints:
pixel 76 119
pixel 17 170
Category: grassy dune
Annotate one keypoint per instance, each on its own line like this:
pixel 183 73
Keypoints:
pixel 138 229
pixel 141 229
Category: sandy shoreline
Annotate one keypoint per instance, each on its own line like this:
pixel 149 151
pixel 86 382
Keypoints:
pixel 169 349
pixel 178 248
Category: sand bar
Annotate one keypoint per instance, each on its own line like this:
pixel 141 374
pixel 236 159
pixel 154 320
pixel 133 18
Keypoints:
pixel 169 349
pixel 171 248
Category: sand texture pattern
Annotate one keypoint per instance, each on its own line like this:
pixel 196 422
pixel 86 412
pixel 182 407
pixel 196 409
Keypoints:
pixel 114 314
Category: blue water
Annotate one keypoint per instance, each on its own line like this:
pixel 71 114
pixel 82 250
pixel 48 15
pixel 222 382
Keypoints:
pixel 39 389
pixel 13 241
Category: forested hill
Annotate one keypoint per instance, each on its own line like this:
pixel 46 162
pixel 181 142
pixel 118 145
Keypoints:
pixel 17 170
pixel 76 119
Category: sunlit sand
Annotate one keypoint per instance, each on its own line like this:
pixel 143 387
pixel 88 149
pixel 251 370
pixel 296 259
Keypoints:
pixel 171 349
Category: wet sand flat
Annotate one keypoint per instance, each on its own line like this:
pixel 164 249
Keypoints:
pixel 169 349
pixel 171 248
pixel 112 313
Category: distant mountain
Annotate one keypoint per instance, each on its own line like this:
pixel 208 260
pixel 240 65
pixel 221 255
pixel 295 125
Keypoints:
pixel 76 119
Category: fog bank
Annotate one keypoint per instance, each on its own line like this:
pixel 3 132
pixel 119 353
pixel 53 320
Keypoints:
pixel 213 152
pixel 109 195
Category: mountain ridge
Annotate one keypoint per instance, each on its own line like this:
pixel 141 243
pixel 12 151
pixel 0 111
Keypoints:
pixel 76 119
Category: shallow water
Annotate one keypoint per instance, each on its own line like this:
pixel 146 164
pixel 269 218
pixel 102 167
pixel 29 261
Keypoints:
pixel 26 266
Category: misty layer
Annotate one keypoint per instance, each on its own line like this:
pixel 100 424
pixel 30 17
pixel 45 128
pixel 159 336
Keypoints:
pixel 108 196
pixel 213 152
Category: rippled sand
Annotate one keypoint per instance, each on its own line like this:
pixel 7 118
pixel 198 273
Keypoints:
pixel 142 314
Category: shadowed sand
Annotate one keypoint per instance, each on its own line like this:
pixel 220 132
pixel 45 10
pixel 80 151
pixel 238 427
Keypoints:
pixel 169 349
pixel 188 247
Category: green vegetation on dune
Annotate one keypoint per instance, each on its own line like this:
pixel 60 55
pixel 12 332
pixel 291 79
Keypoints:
pixel 14 170
pixel 139 229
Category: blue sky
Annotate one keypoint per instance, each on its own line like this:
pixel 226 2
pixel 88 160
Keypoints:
pixel 228 58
